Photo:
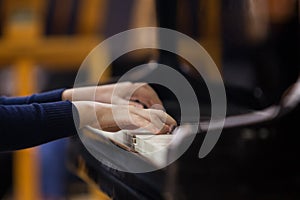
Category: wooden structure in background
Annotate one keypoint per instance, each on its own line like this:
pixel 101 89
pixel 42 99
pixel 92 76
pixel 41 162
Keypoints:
pixel 24 46
pixel 211 40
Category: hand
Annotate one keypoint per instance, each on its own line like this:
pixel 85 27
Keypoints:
pixel 110 117
pixel 123 93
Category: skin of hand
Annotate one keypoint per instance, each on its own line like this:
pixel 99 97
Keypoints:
pixel 123 93
pixel 109 117
pixel 120 106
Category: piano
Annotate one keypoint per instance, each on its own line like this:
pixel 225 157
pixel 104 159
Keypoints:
pixel 256 157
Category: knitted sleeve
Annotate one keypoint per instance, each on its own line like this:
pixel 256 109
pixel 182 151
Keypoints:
pixel 28 125
pixel 50 96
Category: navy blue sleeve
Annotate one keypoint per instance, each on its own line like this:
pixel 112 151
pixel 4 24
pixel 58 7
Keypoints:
pixel 50 96
pixel 23 126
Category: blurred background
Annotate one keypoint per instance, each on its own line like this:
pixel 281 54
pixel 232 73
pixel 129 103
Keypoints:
pixel 255 45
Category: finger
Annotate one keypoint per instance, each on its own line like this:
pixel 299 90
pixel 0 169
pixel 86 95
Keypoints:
pixel 157 118
pixel 149 102
pixel 150 98
pixel 155 99
pixel 138 118
pixel 120 101
pixel 140 122
pixel 152 127
pixel 146 95
pixel 165 129
pixel 136 104
pixel 158 107
pixel 164 117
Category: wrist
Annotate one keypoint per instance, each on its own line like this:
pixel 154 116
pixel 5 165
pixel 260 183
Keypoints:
pixel 84 110
pixel 67 95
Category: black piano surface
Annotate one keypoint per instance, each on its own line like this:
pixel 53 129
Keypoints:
pixel 250 161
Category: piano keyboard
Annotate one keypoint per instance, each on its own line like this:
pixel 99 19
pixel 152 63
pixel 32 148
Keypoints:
pixel 147 145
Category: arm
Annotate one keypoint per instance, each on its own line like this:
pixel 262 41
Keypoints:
pixel 51 96
pixel 122 93
pixel 23 126
pixel 28 125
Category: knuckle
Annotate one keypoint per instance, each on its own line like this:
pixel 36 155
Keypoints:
pixel 161 113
